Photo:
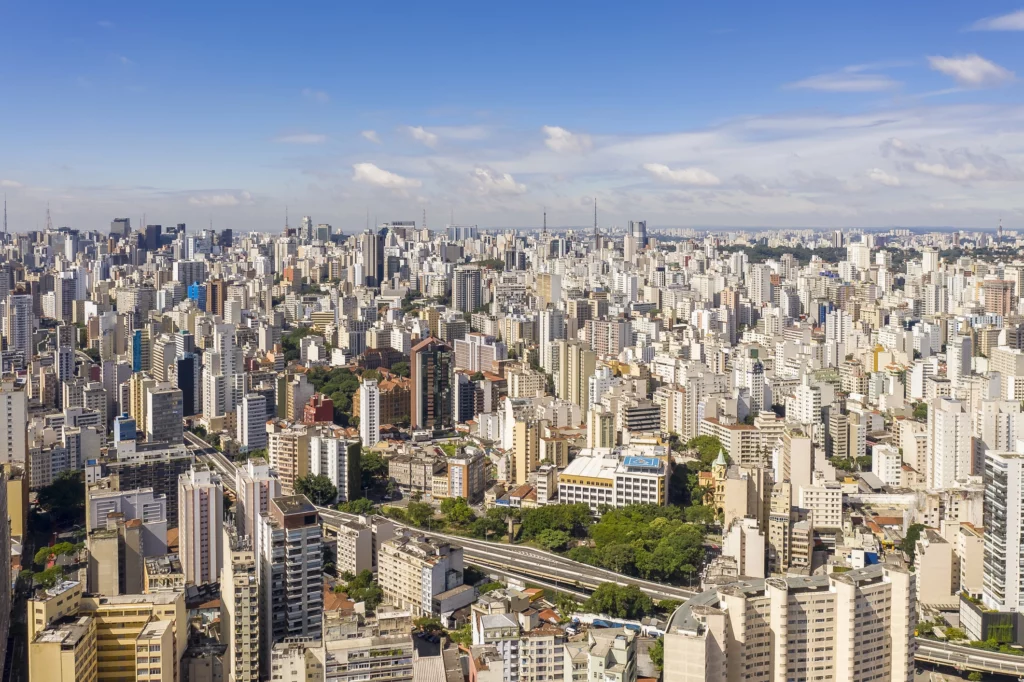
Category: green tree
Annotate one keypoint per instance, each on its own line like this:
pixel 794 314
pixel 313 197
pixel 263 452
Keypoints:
pixel 64 499
pixel 921 411
pixel 490 587
pixel 318 488
pixel 463 636
pixel 657 653
pixel 401 369
pixel 50 577
pixel 428 624
pixel 373 470
pixel 553 539
pixel 909 544
pixel 619 601
pixel 360 506
pixel 707 449
pixel 363 588
pixel 701 514
pixel 975 676
pixel 574 519
pixel 371 374
pixel 420 514
pixel 457 511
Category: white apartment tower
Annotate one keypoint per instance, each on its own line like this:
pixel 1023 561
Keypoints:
pixel 948 442
pixel 252 422
pixel 369 413
pixel 201 525
pixel 255 485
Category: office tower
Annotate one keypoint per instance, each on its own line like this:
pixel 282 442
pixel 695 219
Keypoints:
pixel 142 506
pixel 414 569
pixel 998 297
pixel 550 329
pixel 187 376
pixel 155 466
pixel 431 399
pixel 526 449
pixel 116 556
pixel 120 227
pixel 369 413
pixel 252 422
pixel 216 294
pixel 18 325
pixel 200 524
pixel 1004 529
pixel 576 364
pixel 13 423
pixel 197 293
pixel 857 625
pixel 152 237
pixel 549 290
pixel 163 414
pixel 479 353
pixel 65 290
pixel 458 233
pixel 600 428
pixel 958 359
pixel 948 442
pixel 466 296
pixel 240 608
pixel 638 230
pixel 256 485
pixel 290 574
pixel 339 460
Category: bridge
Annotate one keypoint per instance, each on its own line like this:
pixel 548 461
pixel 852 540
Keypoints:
pixel 968 658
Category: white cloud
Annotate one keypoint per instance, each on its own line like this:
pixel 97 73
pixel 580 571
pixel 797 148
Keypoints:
pixel 103 23
pixel 682 176
pixel 971 70
pixel 967 171
pixel 220 200
pixel 489 181
pixel 124 60
pixel 562 141
pixel 1014 21
pixel 371 135
pixel 372 175
pixel 881 177
pixel 12 184
pixel 302 138
pixel 850 79
pixel 420 134
pixel 894 146
pixel 316 95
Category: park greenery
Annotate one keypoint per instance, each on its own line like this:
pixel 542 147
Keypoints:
pixel 64 499
pixel 619 601
pixel 363 588
pixel 339 384
pixel 318 488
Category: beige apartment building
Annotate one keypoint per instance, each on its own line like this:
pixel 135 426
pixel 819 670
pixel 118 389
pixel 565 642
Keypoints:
pixel 857 625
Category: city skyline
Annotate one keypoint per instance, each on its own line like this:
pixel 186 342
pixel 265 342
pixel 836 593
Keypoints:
pixel 710 117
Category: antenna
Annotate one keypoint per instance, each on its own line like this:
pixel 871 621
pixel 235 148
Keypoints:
pixel 424 219
pixel 545 220
pixel 5 214
pixel 595 219
pixel 286 217
pixel 49 222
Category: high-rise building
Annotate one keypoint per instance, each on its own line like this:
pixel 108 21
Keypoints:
pixel 164 410
pixel 216 295
pixel 950 455
pixel 256 485
pixel 19 323
pixel 5 563
pixel 466 295
pixel 998 296
pixel 414 570
pixel 576 364
pixel 857 625
pixel 369 413
pixel 201 520
pixel 252 422
pixel 240 608
pixel 431 373
pixel 638 230
pixel 290 574
pixel 13 423
pixel 338 460
pixel 1003 575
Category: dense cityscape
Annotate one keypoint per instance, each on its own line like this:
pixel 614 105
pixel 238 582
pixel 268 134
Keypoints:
pixel 511 456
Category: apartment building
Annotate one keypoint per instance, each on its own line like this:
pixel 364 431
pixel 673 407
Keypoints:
pixel 423 575
pixel 239 611
pixel 857 625
pixel 615 478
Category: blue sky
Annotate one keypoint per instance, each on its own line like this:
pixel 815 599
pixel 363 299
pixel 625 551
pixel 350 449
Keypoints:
pixel 705 114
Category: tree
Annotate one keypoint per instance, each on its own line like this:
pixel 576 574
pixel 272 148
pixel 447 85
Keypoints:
pixel 50 577
pixel 619 601
pixel 457 511
pixel 975 676
pixel 318 488
pixel 553 539
pixel 909 544
pixel 921 411
pixel 463 636
pixel 401 369
pixel 574 519
pixel 373 470
pixel 363 588
pixel 954 634
pixel 360 506
pixel 371 374
pixel 64 499
pixel 700 513
pixel 707 448
pixel 657 653
pixel 420 514
pixel 428 624
pixel 490 587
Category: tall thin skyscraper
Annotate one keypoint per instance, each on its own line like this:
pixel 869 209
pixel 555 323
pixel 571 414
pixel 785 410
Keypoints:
pixel 200 523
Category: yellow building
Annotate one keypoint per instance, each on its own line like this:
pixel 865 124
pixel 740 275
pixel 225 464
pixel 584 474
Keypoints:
pixel 124 630
pixel 526 450
pixel 65 652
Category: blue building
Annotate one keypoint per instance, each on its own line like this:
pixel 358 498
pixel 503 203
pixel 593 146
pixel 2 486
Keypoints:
pixel 137 350
pixel 197 292
pixel 124 428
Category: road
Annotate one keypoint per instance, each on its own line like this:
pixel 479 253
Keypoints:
pixel 967 658
pixel 525 562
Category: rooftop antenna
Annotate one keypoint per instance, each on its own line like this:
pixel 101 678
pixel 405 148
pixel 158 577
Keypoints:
pixel 424 218
pixel 545 220
pixel 286 228
pixel 5 214
pixel 49 222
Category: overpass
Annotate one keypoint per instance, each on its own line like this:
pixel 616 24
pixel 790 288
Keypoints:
pixel 968 658
pixel 524 562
